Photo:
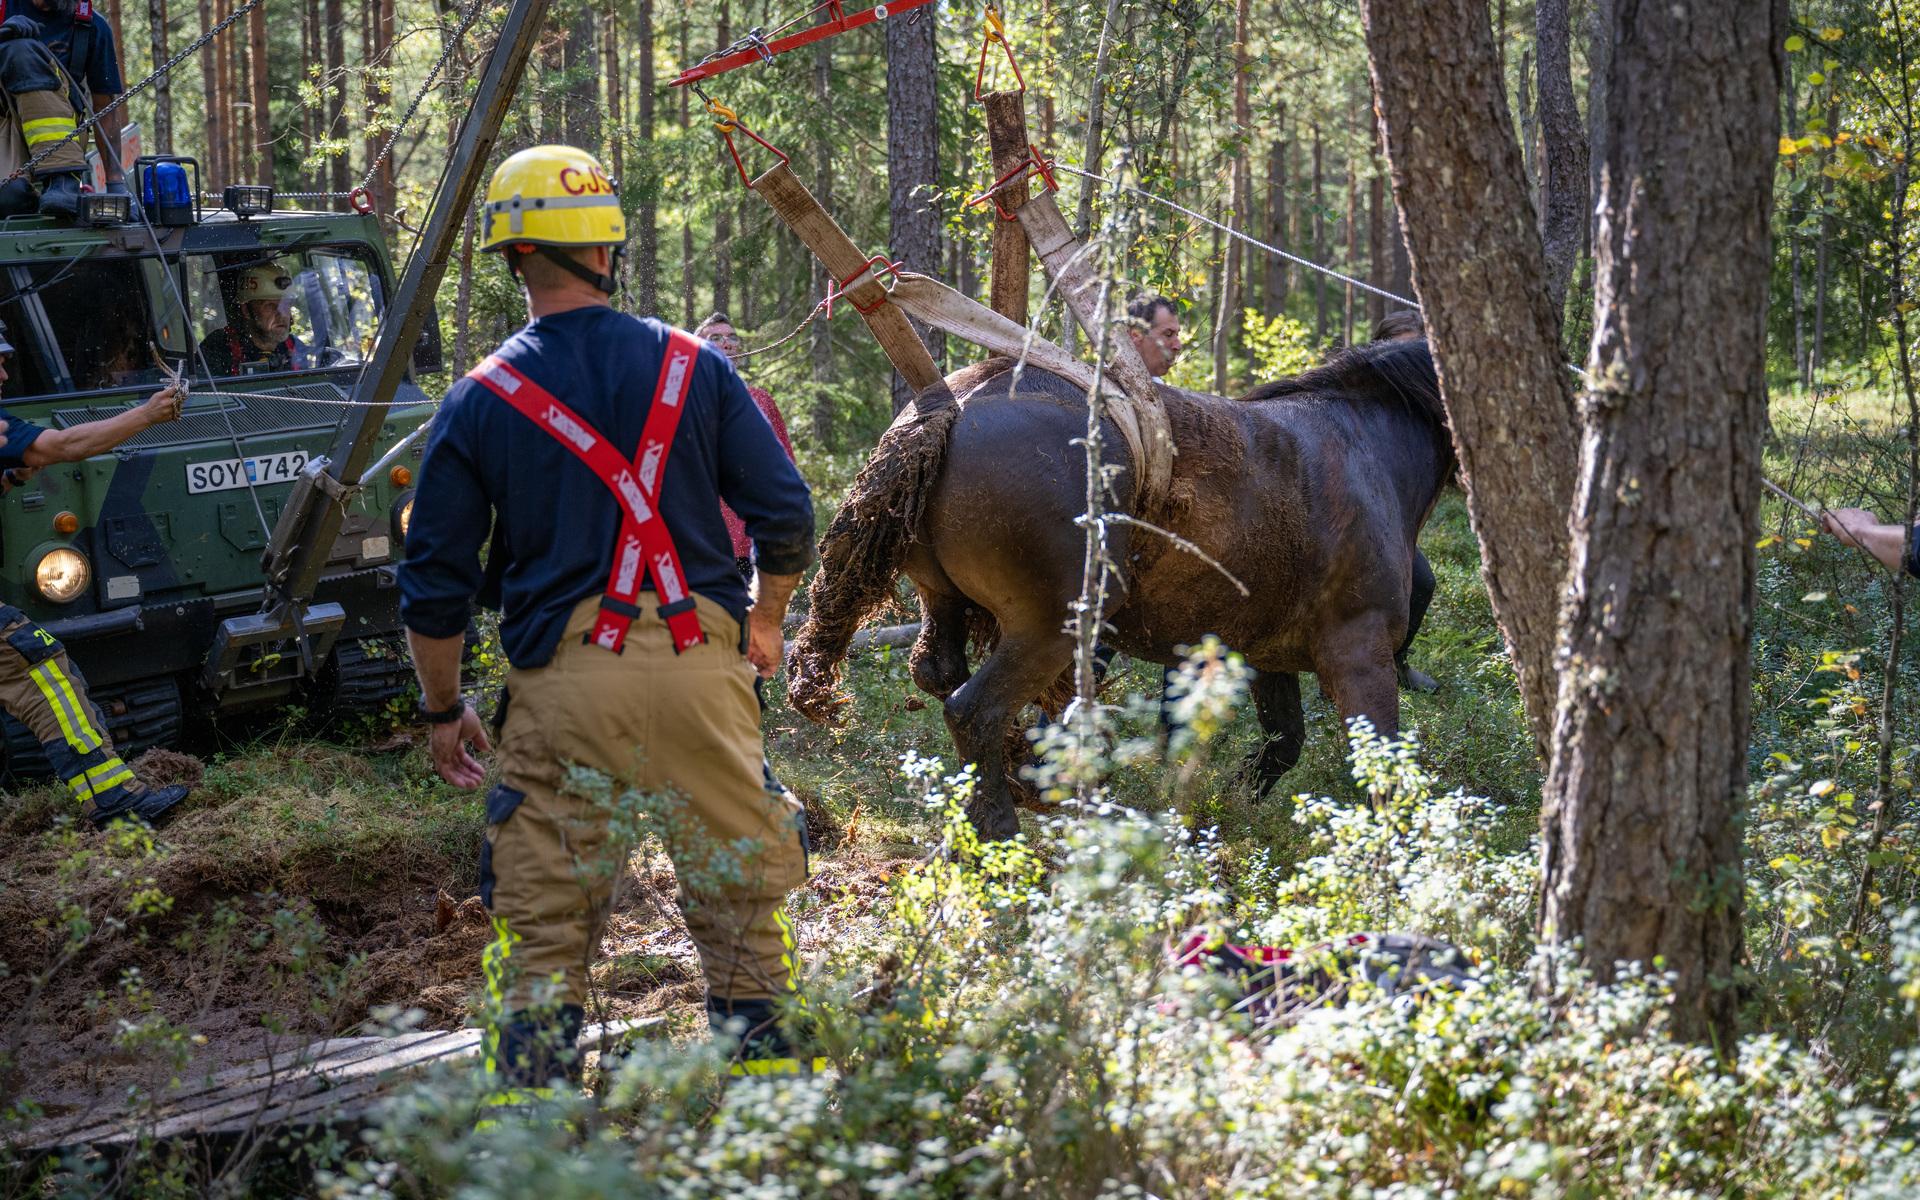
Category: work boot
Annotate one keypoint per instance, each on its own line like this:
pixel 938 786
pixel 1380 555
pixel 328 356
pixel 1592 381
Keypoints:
pixel 764 1047
pixel 537 1048
pixel 60 196
pixel 151 805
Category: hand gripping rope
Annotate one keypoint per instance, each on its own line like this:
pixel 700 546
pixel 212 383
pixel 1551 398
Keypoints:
pixel 994 33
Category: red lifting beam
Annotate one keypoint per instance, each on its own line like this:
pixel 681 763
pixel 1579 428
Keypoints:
pixel 839 22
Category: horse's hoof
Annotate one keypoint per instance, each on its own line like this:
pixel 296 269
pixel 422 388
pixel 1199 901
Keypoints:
pixel 1413 679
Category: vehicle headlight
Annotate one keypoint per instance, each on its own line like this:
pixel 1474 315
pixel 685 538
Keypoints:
pixel 62 574
pixel 402 516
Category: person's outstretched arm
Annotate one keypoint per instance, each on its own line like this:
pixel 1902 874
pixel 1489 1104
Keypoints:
pixel 97 437
pixel 1858 527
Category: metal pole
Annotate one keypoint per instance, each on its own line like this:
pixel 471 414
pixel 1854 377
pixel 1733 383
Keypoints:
pixel 304 535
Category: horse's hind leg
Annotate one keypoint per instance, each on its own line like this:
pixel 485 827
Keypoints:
pixel 978 715
pixel 940 653
pixel 1276 701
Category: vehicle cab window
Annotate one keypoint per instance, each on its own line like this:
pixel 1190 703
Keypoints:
pixel 308 310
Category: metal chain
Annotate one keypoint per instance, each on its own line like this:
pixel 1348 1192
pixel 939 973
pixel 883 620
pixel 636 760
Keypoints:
pixel 159 71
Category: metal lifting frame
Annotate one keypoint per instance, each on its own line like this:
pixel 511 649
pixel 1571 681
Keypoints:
pixel 762 50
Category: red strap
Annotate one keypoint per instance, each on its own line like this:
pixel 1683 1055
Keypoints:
pixel 644 546
pixel 840 23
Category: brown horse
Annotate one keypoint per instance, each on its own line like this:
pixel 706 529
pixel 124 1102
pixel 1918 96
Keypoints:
pixel 1310 492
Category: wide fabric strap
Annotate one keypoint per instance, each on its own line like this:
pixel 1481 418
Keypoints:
pixel 645 547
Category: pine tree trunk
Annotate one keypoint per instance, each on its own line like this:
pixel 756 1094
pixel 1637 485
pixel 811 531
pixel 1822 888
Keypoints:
pixel 723 208
pixel 1529 129
pixel 819 281
pixel 312 178
pixel 262 96
pixel 1092 148
pixel 340 168
pixel 1377 265
pixel 1477 269
pixel 1817 356
pixel 647 245
pixel 578 55
pixel 1795 294
pixel 163 86
pixel 1276 267
pixel 386 194
pixel 213 66
pixel 1642 857
pixel 913 165
pixel 1319 237
pixel 1352 263
pixel 1599 65
pixel 687 318
pixel 1234 285
pixel 240 139
pixel 616 134
pixel 1564 173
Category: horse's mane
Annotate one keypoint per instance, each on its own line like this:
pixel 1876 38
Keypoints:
pixel 1379 372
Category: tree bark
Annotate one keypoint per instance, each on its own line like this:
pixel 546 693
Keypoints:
pixel 687 318
pixel 1564 176
pixel 913 165
pixel 1795 296
pixel 1276 267
pixel 1378 267
pixel 340 167
pixel 1352 263
pixel 210 70
pixel 1599 65
pixel 1529 129
pixel 1817 354
pixel 262 96
pixel 240 139
pixel 162 87
pixel 1319 237
pixel 646 250
pixel 821 351
pixel 1095 144
pixel 1233 287
pixel 1641 819
pixel 577 58
pixel 1477 267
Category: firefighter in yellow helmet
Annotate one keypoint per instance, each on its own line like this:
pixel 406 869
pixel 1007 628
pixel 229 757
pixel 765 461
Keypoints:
pixel 597 448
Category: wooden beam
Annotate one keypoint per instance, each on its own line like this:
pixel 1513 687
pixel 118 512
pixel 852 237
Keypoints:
pixel 1008 144
pixel 795 205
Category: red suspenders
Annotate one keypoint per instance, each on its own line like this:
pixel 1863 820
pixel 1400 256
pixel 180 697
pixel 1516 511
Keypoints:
pixel 645 546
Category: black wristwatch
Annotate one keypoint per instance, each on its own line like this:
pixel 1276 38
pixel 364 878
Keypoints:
pixel 445 716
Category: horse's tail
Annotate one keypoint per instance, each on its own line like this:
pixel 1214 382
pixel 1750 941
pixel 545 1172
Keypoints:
pixel 863 549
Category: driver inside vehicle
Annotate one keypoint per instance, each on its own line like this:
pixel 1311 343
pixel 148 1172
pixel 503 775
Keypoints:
pixel 259 338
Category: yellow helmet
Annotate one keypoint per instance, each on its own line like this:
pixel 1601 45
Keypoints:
pixel 551 196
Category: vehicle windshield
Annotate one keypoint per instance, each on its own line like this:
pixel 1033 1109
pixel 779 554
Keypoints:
pixel 90 324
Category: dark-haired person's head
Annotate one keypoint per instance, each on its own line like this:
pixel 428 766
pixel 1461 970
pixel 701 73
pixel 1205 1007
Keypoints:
pixel 1154 323
pixel 1402 325
pixel 718 329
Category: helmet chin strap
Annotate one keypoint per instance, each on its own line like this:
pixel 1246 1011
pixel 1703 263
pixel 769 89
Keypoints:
pixel 609 283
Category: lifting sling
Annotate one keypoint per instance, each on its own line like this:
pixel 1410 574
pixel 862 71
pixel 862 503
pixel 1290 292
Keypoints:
pixel 645 547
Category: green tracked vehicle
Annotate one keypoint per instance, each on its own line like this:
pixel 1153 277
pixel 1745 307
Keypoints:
pixel 148 562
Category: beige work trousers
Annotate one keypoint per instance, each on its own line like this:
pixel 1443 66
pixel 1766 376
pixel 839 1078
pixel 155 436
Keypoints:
pixel 683 730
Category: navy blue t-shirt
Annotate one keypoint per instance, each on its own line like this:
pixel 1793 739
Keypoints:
pixel 554 521
pixel 99 72
pixel 13 447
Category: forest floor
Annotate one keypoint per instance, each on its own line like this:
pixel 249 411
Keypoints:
pixel 317 885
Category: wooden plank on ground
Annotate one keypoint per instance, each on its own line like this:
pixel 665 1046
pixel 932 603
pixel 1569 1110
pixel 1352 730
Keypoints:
pixel 292 1088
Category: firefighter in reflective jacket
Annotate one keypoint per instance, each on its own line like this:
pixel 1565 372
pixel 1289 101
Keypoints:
pixel 39 687
pixel 598 447
pixel 58 61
